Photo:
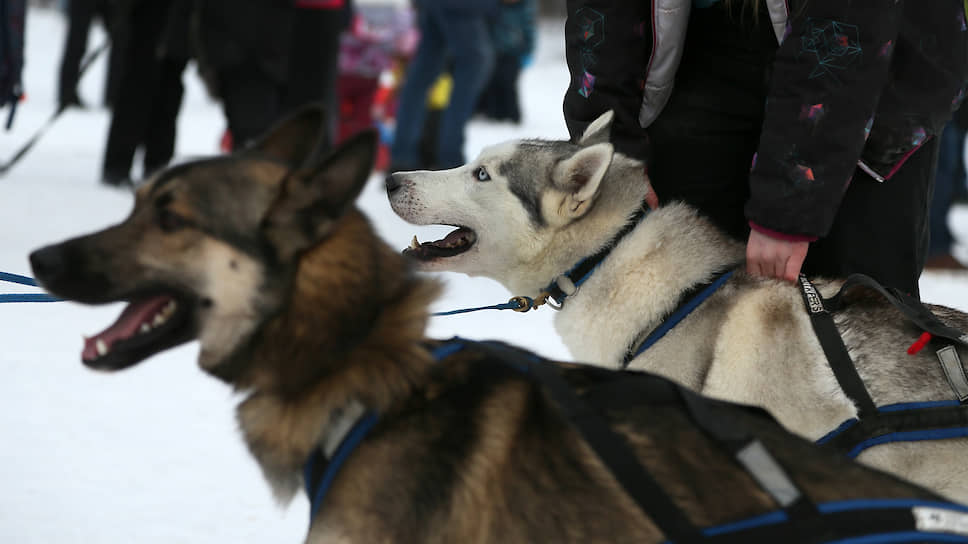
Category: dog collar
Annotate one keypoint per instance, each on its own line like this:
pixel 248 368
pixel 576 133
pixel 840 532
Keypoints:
pixel 568 283
pixel 344 434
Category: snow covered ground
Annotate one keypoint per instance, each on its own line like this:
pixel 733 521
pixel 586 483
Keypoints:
pixel 151 455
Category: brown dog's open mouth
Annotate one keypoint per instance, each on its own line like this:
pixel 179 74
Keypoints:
pixel 455 243
pixel 146 326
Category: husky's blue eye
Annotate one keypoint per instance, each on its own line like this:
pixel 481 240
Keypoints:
pixel 482 174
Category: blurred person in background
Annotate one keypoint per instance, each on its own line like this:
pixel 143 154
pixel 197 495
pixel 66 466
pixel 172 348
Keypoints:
pixel 12 22
pixel 150 87
pixel 458 30
pixel 244 57
pixel 314 56
pixel 949 184
pixel 513 35
pixel 80 14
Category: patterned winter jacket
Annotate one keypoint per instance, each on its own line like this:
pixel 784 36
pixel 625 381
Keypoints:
pixel 853 84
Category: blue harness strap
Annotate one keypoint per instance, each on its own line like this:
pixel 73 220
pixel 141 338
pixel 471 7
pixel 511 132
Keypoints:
pixel 320 471
pixel 690 301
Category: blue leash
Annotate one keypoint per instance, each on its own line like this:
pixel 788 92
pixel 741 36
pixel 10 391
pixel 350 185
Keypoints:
pixel 24 297
pixel 518 304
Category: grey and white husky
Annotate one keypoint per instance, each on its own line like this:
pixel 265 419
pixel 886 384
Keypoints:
pixel 527 211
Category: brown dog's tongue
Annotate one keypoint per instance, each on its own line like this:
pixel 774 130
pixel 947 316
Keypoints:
pixel 126 326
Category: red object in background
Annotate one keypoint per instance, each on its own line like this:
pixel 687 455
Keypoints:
pixel 382 36
pixel 225 144
pixel 357 95
pixel 319 4
pixel 365 103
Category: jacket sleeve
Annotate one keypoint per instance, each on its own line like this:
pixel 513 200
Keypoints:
pixel 607 47
pixel 828 77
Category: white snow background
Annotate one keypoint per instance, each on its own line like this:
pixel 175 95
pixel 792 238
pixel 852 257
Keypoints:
pixel 152 454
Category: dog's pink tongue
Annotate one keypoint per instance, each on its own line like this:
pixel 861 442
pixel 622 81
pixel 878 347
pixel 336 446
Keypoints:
pixel 126 326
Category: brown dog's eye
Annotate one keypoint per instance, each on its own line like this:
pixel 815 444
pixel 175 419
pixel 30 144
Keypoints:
pixel 170 221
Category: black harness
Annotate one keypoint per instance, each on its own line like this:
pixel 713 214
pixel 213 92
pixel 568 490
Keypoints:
pixel 904 422
pixel 797 519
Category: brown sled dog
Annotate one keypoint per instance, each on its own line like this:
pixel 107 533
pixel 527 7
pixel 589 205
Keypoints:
pixel 263 258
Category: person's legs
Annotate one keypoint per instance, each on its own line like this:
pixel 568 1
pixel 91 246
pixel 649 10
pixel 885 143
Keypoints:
pixel 507 88
pixel 250 101
pixel 426 65
pixel 110 14
pixel 881 229
pixel 136 90
pixel 702 155
pixel 314 62
pixel 80 13
pixel 160 137
pixel 469 42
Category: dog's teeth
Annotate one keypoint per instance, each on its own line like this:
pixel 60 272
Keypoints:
pixel 145 327
pixel 414 244
pixel 169 308
pixel 101 346
pixel 158 320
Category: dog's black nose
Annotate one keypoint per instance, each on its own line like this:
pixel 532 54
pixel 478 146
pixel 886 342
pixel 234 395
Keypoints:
pixel 393 183
pixel 47 262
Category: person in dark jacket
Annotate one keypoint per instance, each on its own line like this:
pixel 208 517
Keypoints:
pixel 454 29
pixel 793 125
pixel 243 55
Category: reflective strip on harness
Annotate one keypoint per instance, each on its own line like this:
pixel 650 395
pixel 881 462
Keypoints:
pixel 954 372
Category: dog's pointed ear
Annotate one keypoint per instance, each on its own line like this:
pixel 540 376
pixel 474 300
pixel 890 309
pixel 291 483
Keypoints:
pixel 313 197
pixel 580 176
pixel 598 131
pixel 298 139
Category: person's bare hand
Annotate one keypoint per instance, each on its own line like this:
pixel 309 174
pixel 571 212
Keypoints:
pixel 770 257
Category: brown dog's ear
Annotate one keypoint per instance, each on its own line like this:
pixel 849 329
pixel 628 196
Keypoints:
pixel 313 197
pixel 298 139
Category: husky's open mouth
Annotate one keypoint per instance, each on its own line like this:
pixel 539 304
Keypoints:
pixel 455 243
pixel 148 324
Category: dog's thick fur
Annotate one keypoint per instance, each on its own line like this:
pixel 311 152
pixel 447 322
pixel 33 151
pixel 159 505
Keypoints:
pixel 546 205
pixel 298 305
